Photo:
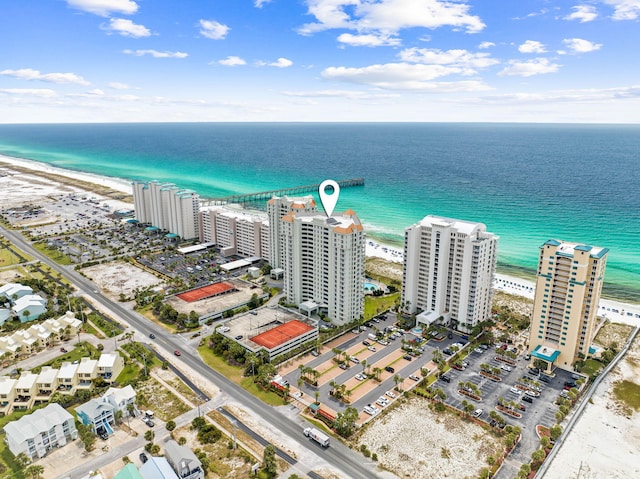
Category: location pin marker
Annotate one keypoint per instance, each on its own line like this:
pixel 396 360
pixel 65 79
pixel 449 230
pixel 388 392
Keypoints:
pixel 329 200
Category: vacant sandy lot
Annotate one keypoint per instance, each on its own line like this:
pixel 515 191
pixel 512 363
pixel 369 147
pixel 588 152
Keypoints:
pixel 120 277
pixel 414 441
pixel 606 440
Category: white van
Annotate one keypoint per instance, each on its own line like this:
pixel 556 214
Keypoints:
pixel 373 337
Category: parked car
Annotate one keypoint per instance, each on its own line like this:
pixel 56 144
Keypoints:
pixel 407 357
pixel 391 394
pixel 477 413
pixel 343 366
pixel 371 410
pixel 177 353
pixel 506 368
pixel 143 457
pixel 152 336
pixel 414 377
pixel 382 401
pixel 544 379
pixel 366 343
pixel 389 369
pixel 315 353
pixel 360 377
pixel 372 349
pixel 515 390
pixel 527 399
pixel 447 351
pixel 445 378
pixel 63 350
pixel 239 337
pixel 354 359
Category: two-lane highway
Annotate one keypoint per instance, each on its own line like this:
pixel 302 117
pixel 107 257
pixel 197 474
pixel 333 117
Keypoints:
pixel 339 456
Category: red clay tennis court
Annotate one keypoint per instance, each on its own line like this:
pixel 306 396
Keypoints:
pixel 281 334
pixel 209 291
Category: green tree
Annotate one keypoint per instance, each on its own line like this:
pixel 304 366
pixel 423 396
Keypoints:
pixel 171 425
pixel 269 460
pixel 555 432
pixel 23 460
pixel 35 471
pixel 209 434
pixel 149 435
pixel 198 423
pixel 345 422
pixel 182 440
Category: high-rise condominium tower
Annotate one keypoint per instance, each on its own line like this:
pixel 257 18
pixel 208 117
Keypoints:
pixel 565 306
pixel 448 271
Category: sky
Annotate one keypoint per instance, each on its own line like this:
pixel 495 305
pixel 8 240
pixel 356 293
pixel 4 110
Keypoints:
pixel 75 61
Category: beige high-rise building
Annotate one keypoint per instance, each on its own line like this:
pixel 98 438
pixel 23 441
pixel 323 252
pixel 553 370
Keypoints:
pixel 235 231
pixel 565 307
pixel 323 260
pixel 448 271
pixel 280 206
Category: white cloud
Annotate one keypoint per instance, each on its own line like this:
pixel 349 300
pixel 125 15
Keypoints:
pixel 537 66
pixel 465 61
pixel 156 53
pixel 369 40
pixel 232 61
pixel 583 13
pixel 624 9
pixel 403 76
pixel 349 94
pixel 531 46
pixel 119 86
pixel 485 45
pixel 37 92
pixel 281 63
pixel 30 74
pixel 126 28
pixel 389 16
pixel 213 30
pixel 105 8
pixel 578 45
pixel 96 92
pixel 260 3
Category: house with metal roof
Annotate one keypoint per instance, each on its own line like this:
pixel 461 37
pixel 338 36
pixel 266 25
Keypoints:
pixel 183 461
pixel 98 414
pixel 157 468
pixel 37 433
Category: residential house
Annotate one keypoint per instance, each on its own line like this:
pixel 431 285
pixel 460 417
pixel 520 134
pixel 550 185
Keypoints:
pixel 41 431
pixel 7 394
pixel 110 366
pixel 46 384
pixel 10 345
pixel 183 461
pixel 5 315
pixel 87 371
pixel 44 336
pixel 157 468
pixel 14 291
pixel 130 471
pixel 30 344
pixel 98 414
pixel 25 391
pixel 29 307
pixel 70 324
pixel 67 377
pixel 121 398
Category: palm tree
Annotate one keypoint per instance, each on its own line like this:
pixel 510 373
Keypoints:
pixel 364 365
pixel 376 373
pixel 317 395
pixel 35 471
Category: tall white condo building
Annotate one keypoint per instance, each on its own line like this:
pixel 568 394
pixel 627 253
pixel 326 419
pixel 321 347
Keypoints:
pixel 323 260
pixel 167 207
pixel 448 271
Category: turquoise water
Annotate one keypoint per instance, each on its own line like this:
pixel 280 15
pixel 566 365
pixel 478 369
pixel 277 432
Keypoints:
pixel 526 182
pixel 369 286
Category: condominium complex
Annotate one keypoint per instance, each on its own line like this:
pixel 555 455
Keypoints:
pixel 235 232
pixel 323 260
pixel 277 207
pixel 167 207
pixel 568 287
pixel 448 270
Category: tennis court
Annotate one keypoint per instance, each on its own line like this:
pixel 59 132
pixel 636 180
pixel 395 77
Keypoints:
pixel 281 334
pixel 208 291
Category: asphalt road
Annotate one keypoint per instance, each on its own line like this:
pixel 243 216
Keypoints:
pixel 339 456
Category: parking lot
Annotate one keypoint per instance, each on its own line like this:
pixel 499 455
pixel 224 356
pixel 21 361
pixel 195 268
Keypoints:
pixel 512 387
pixel 374 357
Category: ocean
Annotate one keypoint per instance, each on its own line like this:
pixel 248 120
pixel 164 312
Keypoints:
pixel 526 182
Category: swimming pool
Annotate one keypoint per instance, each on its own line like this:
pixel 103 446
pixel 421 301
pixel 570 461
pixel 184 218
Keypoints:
pixel 370 286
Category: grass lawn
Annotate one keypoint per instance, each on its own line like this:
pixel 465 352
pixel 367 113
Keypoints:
pixel 376 305
pixel 130 372
pixel 234 374
pixel 147 312
pixel 53 253
pixel 7 258
pixel 84 350
pixel 108 328
pixel 591 367
pixel 629 393
pixel 89 329
pixel 8 466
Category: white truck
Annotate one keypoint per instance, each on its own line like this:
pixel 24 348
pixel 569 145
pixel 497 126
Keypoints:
pixel 320 437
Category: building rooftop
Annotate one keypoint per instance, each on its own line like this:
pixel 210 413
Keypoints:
pixel 281 334
pixel 37 422
pixel 87 365
pixel 107 360
pixel 462 226
pixel 157 468
pixel 569 249
pixel 94 408
pixel 67 370
pixel 26 380
pixel 7 384
pixel 47 375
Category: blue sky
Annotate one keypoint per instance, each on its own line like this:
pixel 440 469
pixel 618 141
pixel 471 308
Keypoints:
pixel 319 60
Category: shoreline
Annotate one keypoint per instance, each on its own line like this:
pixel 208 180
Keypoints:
pixel 512 284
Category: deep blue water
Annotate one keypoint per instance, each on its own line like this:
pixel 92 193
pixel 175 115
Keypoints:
pixel 526 182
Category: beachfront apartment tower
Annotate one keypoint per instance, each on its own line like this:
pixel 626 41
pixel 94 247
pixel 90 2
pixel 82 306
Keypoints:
pixel 565 305
pixel 448 272
pixel 167 207
pixel 234 231
pixel 280 206
pixel 323 261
